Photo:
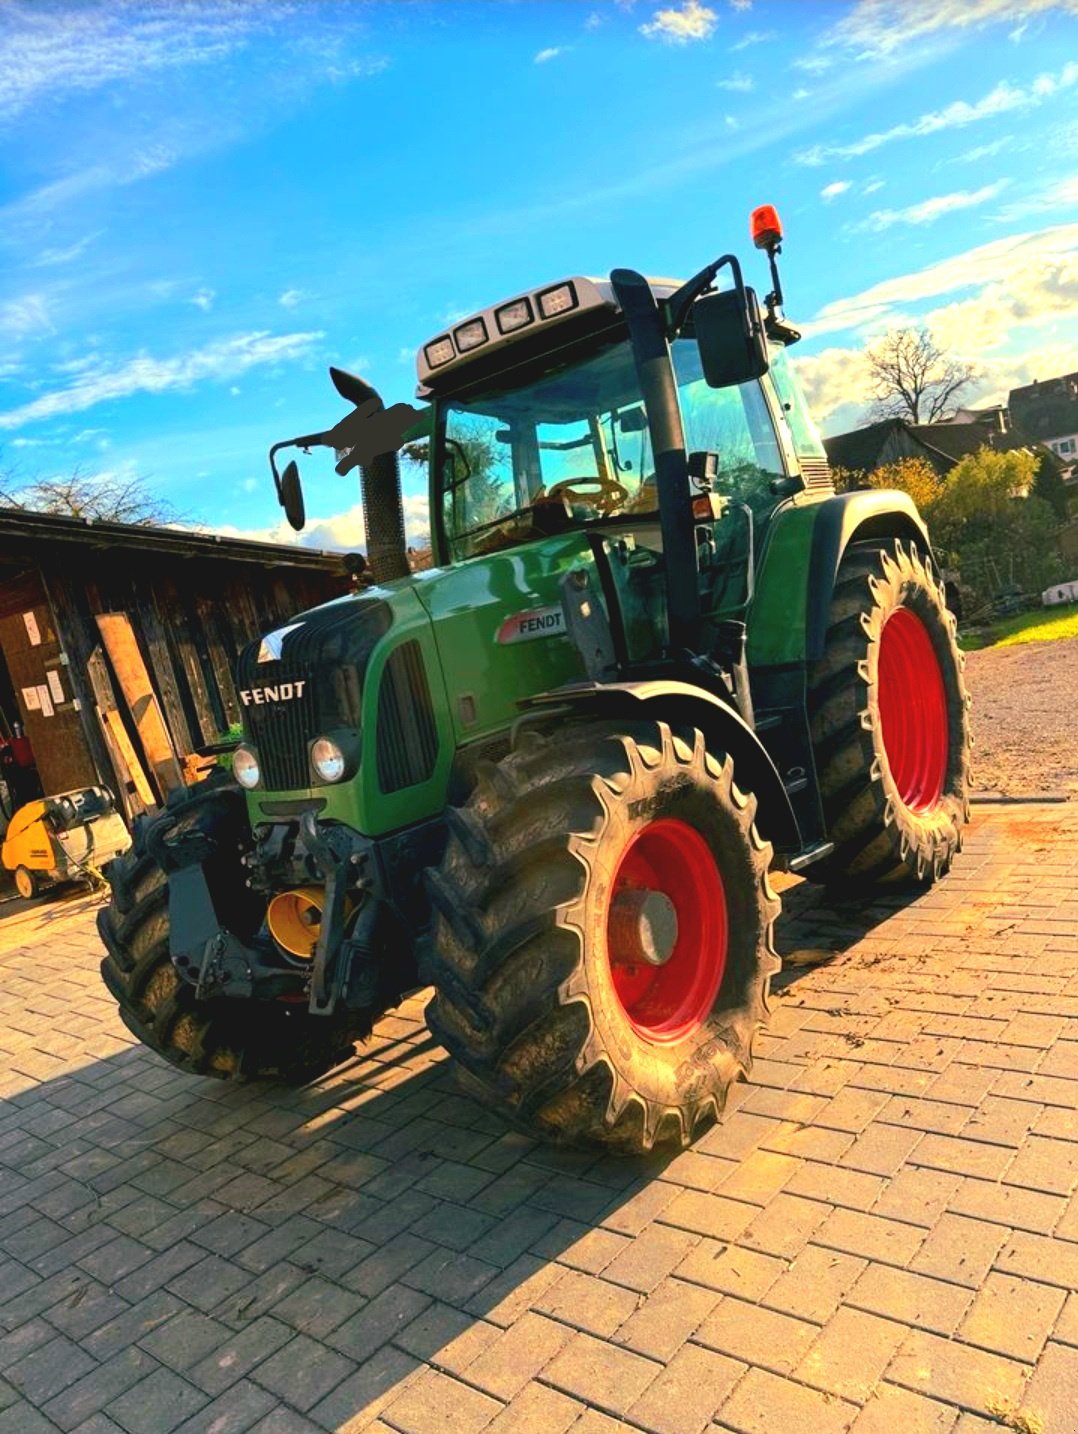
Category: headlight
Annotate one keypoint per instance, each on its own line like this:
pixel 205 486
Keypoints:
pixel 516 315
pixel 327 759
pixel 440 351
pixel 558 300
pixel 470 336
pixel 245 767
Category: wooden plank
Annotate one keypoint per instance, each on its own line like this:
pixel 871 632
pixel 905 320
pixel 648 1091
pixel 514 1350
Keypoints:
pixel 67 584
pixel 162 666
pixel 130 669
pixel 136 794
pixel 171 606
pixel 115 732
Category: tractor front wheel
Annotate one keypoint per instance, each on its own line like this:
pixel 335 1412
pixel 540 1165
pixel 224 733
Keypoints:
pixel 890 723
pixel 602 946
pixel 229 1039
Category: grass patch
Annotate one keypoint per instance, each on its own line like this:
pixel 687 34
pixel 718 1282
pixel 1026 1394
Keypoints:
pixel 1044 625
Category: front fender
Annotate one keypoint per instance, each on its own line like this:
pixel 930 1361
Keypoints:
pixel 803 549
pixel 680 703
pixel 843 519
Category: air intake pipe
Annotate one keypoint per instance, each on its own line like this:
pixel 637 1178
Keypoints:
pixel 380 487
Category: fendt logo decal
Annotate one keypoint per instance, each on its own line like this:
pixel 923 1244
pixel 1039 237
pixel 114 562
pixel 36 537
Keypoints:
pixel 525 626
pixel 283 692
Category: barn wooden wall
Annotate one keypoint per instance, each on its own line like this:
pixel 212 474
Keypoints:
pixel 191 619
pixel 190 616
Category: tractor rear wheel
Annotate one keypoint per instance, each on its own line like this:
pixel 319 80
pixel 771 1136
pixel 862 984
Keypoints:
pixel 602 945
pixel 229 1039
pixel 890 722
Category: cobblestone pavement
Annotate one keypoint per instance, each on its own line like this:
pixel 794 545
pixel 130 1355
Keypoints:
pixel 883 1235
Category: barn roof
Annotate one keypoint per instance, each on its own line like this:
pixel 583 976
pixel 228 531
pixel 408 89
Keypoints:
pixel 56 530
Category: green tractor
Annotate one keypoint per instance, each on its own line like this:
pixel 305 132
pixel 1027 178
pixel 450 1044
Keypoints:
pixel 657 655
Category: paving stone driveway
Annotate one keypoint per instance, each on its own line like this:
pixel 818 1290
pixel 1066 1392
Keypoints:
pixel 883 1235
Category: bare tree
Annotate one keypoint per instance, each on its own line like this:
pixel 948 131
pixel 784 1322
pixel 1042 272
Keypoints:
pixel 105 499
pixel 912 378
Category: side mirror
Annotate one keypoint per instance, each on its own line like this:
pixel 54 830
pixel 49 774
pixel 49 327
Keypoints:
pixel 730 337
pixel 291 496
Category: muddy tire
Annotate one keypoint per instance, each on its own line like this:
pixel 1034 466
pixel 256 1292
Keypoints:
pixel 890 723
pixel 229 1039
pixel 602 946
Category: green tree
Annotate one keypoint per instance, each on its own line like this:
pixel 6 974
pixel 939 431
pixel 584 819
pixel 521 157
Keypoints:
pixel 978 496
pixel 988 521
pixel 1049 485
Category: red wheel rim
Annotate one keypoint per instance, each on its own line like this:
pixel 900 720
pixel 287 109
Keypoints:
pixel 913 710
pixel 666 1002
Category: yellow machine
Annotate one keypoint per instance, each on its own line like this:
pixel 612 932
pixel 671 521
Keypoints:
pixel 63 838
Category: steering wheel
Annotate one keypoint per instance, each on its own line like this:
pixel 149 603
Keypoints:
pixel 605 494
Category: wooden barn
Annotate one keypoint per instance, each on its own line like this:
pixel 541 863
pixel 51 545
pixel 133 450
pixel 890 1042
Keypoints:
pixel 117 643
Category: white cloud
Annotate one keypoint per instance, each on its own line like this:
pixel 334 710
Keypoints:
pixel 754 37
pixel 550 53
pixel 812 64
pixel 1061 195
pixel 290 298
pixel 872 185
pixel 204 299
pixel 968 269
pixel 834 380
pixel 1032 295
pixel 878 27
pixel 220 361
pixel 341 532
pixel 801 94
pixel 739 83
pixel 22 317
pixel 982 151
pixel 1003 99
pixel 1011 310
pixel 832 191
pixel 593 21
pixel 45 52
pixel 251 485
pixel 740 4
pixel 49 258
pixel 690 21
pixel 129 169
pixel 929 210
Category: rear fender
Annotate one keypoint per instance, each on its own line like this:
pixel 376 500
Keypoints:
pixel 681 704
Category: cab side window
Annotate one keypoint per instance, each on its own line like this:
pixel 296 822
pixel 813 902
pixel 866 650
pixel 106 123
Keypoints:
pixel 734 423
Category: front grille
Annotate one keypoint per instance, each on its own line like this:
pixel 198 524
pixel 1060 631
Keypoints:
pixel 407 740
pixel 281 733
pixel 328 652
pixel 817 474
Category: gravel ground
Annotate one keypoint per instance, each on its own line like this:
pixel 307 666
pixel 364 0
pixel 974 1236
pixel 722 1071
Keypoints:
pixel 1025 717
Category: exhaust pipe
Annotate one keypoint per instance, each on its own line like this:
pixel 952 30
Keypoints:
pixel 380 488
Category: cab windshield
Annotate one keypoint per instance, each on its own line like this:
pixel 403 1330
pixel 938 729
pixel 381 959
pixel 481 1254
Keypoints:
pixel 573 448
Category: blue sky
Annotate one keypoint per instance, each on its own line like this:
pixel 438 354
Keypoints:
pixel 202 205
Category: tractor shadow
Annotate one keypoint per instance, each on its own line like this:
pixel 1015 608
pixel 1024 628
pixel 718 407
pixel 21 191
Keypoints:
pixel 400 1225
pixel 381 1212
pixel 818 926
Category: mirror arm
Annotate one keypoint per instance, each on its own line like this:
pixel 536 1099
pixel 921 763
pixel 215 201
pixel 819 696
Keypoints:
pixel 306 441
pixel 676 307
